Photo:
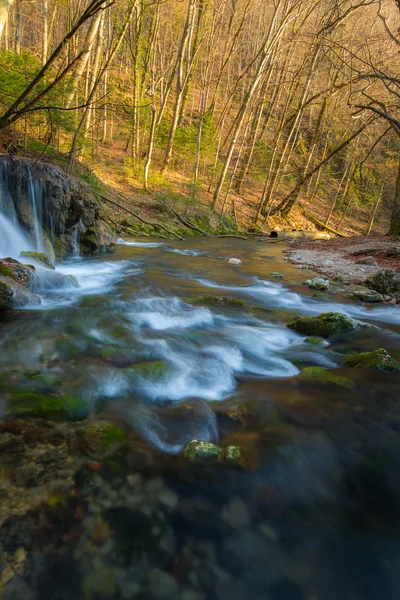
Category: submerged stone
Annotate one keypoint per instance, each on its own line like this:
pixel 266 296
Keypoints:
pixel 39 257
pixel 318 283
pixel 220 301
pixel 366 296
pixel 321 374
pixel 278 275
pixel 316 341
pixel 384 282
pixel 326 324
pixel 101 439
pixel 156 369
pixel 56 408
pixel 379 360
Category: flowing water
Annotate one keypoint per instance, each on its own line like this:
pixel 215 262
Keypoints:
pixel 316 514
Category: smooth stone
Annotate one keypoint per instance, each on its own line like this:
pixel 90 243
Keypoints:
pixel 236 513
pixel 318 283
pixel 235 261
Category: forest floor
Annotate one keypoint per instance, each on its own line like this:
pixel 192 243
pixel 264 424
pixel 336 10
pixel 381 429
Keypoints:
pixel 348 256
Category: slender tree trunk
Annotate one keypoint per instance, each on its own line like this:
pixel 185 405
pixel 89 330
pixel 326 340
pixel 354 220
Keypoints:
pixel 45 47
pixel 371 222
pixel 395 218
pixel 5 6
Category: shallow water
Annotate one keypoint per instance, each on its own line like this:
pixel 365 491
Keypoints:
pixel 316 514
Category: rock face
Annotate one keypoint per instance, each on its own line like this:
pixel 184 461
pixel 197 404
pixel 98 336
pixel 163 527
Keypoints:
pixel 326 324
pixel 15 295
pixel 22 274
pixel 385 282
pixel 379 360
pixel 65 208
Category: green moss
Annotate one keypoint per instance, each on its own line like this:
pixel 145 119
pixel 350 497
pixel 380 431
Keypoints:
pixel 6 295
pixel 320 374
pixel 156 369
pixel 325 325
pixel 6 272
pixel 55 408
pixel 366 296
pixel 315 341
pixel 201 452
pixel 379 360
pixel 102 440
pixel 39 257
pixel 220 301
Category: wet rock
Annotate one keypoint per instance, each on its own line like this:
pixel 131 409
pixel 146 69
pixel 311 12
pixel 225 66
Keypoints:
pixel 366 296
pixel 155 369
pixel 384 282
pixel 320 374
pixel 318 283
pixel 100 440
pixel 163 585
pixel 379 360
pixel 38 257
pixel 236 513
pixel 305 267
pixel 316 341
pixel 278 275
pixel 326 324
pixel 342 279
pixel 235 261
pixel 47 407
pixel 99 584
pixel 220 301
pixel 202 452
pixel 367 260
pixel 22 274
pixel 15 295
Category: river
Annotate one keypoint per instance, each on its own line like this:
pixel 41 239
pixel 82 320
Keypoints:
pixel 314 516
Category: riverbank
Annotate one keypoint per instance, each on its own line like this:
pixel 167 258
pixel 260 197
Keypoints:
pixel 355 258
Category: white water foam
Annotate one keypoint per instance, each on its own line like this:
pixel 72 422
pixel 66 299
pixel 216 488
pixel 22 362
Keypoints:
pixel 121 242
pixel 168 313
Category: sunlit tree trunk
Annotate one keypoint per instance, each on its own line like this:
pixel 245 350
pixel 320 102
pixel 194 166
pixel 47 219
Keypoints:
pixel 5 6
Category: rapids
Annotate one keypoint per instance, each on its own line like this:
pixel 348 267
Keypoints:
pixel 315 516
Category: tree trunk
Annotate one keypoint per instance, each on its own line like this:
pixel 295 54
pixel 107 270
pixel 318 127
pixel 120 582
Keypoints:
pixel 395 219
pixel 5 6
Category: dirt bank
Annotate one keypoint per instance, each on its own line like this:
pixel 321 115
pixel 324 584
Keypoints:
pixel 355 257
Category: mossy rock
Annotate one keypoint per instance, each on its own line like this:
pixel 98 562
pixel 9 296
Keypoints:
pixel 6 295
pixel 207 453
pixel 101 440
pixel 39 257
pixel 156 369
pixel 321 374
pixel 22 274
pixel 325 325
pixel 220 301
pixel 379 360
pixel 316 341
pixel 318 283
pixel 54 408
pixel 367 296
pixel 384 282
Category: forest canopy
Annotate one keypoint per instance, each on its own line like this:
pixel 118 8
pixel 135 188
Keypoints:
pixel 263 106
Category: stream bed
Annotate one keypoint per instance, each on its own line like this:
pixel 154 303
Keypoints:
pixel 313 515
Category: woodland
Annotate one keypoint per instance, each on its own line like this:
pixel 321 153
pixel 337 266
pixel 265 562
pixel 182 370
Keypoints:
pixel 257 109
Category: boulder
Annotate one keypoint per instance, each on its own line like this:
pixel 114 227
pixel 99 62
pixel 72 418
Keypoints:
pixel 318 283
pixel 384 282
pixel 379 360
pixel 366 296
pixel 326 324
pixel 39 257
pixel 14 295
pixel 22 274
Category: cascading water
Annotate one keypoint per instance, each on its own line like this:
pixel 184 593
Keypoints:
pixel 35 197
pixel 13 238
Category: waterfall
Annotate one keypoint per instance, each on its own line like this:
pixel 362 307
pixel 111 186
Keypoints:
pixel 35 197
pixel 14 239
